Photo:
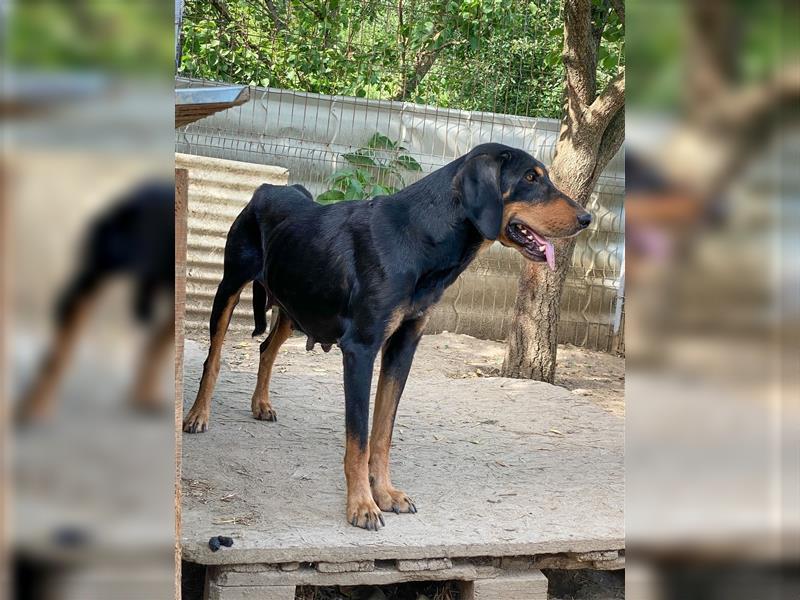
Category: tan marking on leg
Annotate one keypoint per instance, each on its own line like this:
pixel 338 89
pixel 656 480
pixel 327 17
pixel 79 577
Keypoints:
pixel 386 496
pixel 154 357
pixel 278 334
pixel 395 319
pixel 387 397
pixel 197 418
pixel 38 402
pixel 361 508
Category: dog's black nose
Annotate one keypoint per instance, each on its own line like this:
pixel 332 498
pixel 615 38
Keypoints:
pixel 584 220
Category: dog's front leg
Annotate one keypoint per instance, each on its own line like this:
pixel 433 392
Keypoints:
pixel 398 354
pixel 361 508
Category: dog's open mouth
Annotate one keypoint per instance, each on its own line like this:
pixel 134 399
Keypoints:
pixel 534 246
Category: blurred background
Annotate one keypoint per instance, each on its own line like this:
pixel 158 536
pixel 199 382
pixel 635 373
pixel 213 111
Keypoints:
pixel 87 242
pixel 712 140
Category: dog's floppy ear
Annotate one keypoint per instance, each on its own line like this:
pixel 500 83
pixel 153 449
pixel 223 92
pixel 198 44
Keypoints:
pixel 479 190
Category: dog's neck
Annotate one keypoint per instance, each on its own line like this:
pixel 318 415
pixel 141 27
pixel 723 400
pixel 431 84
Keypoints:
pixel 450 242
pixel 438 213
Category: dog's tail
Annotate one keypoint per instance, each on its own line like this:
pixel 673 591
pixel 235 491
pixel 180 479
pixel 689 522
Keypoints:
pixel 260 306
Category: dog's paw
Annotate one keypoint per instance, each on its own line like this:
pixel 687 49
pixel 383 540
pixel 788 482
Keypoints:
pixel 195 422
pixel 265 413
pixel 393 500
pixel 365 514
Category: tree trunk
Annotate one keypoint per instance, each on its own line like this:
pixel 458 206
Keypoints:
pixel 533 340
pixel 592 131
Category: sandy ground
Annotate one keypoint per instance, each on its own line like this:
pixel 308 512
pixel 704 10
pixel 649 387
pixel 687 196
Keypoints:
pixel 595 375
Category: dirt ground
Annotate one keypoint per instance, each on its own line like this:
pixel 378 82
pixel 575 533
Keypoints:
pixel 595 375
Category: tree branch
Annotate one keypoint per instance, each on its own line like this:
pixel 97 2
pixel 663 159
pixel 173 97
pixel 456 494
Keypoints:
pixel 223 11
pixel 422 65
pixel 611 141
pixel 274 15
pixel 606 105
pixel 313 10
pixel 619 8
pixel 579 56
pixel 600 14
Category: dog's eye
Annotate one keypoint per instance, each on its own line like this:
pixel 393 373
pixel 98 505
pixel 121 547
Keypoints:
pixel 530 177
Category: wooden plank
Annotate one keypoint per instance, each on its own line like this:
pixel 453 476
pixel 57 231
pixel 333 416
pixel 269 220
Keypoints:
pixel 193 104
pixel 181 219
pixel 240 575
pixel 497 467
pixel 531 585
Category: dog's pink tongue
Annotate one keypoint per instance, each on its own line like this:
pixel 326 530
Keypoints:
pixel 549 251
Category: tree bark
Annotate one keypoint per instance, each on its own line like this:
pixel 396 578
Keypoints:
pixel 592 131
pixel 423 63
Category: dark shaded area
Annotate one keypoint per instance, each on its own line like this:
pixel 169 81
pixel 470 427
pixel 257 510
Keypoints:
pixel 732 581
pixel 432 590
pixel 193 577
pixel 585 584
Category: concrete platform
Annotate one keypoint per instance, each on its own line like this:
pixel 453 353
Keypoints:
pixel 496 467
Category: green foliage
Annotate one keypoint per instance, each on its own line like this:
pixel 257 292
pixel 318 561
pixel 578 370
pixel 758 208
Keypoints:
pixel 499 56
pixel 374 170
pixel 120 37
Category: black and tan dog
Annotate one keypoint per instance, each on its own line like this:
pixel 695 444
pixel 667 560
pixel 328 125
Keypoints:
pixel 133 240
pixel 364 275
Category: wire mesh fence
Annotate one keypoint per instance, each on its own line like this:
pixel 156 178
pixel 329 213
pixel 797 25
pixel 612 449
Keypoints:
pixel 360 98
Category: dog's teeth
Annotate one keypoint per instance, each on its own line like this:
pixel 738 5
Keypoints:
pixel 542 248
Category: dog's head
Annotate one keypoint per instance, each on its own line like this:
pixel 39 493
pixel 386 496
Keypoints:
pixel 507 194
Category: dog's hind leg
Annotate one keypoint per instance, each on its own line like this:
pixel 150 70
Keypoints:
pixel 398 353
pixel 72 312
pixel 145 395
pixel 279 332
pixel 260 305
pixel 225 300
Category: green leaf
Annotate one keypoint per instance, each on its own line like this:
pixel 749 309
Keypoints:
pixel 381 142
pixel 341 179
pixel 354 191
pixel 609 62
pixel 360 159
pixel 379 190
pixel 408 163
pixel 330 197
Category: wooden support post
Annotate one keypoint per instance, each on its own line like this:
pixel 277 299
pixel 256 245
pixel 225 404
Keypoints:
pixel 181 224
pixel 528 585
pixel 249 592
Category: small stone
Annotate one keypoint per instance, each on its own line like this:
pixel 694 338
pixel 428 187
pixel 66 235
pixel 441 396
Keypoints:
pixel 213 543
pixel 225 541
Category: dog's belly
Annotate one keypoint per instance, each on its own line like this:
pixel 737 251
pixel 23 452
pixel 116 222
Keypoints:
pixel 320 330
pixel 315 304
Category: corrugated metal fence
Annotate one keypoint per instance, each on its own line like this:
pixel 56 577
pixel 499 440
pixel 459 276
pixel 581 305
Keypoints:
pixel 218 190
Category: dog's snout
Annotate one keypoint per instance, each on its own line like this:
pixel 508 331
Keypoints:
pixel 584 220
